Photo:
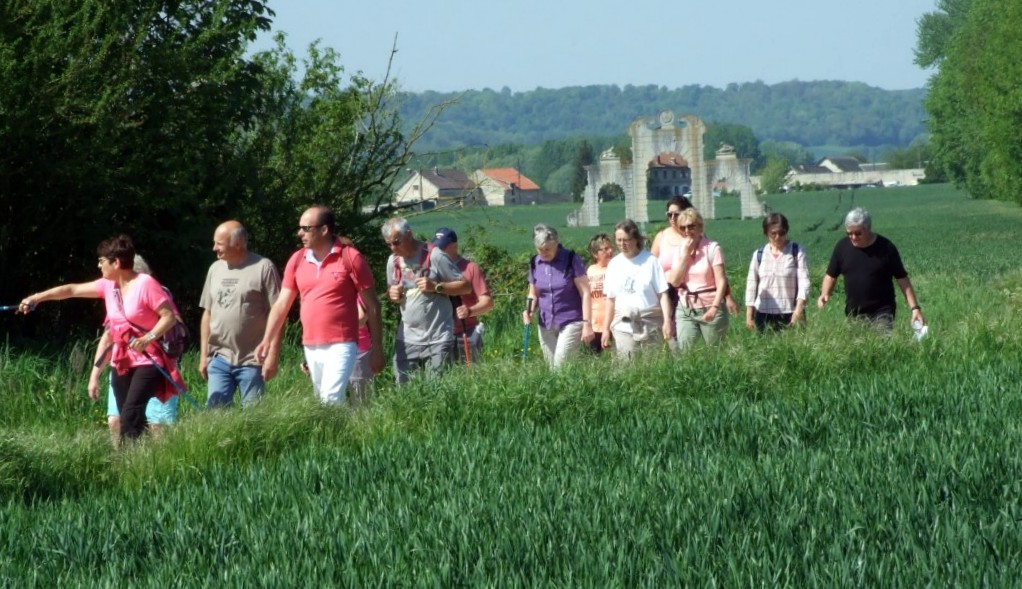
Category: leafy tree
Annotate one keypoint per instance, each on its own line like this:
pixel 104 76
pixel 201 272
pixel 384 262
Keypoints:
pixel 975 101
pixel 791 152
pixel 738 136
pixel 320 140
pixel 116 116
pixel 936 29
pixel 774 175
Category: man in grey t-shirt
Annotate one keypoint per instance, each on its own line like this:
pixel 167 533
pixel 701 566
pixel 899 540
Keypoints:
pixel 421 279
pixel 240 289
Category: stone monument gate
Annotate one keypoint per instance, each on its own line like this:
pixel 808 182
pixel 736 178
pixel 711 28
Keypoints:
pixel 650 137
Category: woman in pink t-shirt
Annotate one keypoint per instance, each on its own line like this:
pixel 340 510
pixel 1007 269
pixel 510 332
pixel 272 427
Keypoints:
pixel 698 274
pixel 139 312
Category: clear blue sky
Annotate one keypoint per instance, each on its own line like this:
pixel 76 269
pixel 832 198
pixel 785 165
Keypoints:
pixel 449 45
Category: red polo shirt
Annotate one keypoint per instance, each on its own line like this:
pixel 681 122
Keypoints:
pixel 329 291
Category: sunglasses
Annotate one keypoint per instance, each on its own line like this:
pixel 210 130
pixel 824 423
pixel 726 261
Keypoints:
pixel 308 228
pixel 687 227
pixel 673 214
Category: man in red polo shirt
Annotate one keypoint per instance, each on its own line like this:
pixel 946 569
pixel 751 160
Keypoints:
pixel 329 275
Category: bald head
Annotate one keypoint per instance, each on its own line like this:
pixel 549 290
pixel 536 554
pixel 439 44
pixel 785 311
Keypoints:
pixel 230 242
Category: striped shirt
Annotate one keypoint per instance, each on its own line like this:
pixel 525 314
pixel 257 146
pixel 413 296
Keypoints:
pixel 778 280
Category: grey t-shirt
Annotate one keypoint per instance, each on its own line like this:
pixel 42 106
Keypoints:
pixel 426 318
pixel 239 300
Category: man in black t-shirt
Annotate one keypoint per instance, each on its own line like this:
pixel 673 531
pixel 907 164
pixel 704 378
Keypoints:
pixel 868 262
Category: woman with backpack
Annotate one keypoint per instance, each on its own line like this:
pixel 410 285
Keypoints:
pixel 778 283
pixel 559 291
pixel 139 312
pixel 158 413
pixel 698 274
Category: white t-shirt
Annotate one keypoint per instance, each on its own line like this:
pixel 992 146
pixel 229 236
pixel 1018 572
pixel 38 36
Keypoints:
pixel 634 283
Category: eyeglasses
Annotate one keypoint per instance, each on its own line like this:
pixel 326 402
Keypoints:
pixel 687 227
pixel 308 228
pixel 854 233
pixel 395 242
pixel 673 214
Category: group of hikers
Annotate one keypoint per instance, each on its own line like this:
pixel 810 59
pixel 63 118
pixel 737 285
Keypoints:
pixel 674 292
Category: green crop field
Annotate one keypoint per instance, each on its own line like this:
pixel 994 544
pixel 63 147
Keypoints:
pixel 830 456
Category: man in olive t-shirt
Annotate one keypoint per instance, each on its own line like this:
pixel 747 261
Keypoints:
pixel 240 289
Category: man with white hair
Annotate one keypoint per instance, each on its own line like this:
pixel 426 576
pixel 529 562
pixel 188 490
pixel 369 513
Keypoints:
pixel 868 262
pixel 240 289
pixel 421 279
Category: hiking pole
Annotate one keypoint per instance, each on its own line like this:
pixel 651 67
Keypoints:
pixel 464 340
pixel 179 388
pixel 456 303
pixel 525 342
pixel 5 308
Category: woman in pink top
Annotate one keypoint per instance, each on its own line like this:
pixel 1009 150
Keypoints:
pixel 139 312
pixel 698 273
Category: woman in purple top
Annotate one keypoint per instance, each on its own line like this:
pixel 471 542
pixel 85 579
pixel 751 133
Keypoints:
pixel 559 291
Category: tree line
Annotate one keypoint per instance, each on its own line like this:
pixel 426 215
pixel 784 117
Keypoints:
pixel 806 113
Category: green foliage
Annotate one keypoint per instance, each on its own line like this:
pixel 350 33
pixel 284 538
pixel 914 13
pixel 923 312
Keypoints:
pixel 808 113
pixel 792 153
pixel 116 116
pixel 148 118
pixel 774 175
pixel 974 101
pixel 937 29
pixel 740 137
pixel 916 155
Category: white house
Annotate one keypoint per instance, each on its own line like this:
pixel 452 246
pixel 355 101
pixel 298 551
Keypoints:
pixel 436 186
pixel 505 186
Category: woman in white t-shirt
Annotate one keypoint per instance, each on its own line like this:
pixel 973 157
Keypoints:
pixel 637 309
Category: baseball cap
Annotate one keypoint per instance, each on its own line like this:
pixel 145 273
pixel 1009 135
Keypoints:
pixel 445 237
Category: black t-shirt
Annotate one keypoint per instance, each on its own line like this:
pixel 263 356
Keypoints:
pixel 868 274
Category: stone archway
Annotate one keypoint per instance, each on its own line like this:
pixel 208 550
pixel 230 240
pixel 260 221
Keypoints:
pixel 652 136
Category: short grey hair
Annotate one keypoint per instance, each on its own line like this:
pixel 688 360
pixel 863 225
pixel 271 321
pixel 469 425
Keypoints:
pixel 858 216
pixel 397 225
pixel 543 234
pixel 239 236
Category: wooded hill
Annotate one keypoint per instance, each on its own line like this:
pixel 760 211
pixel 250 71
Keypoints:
pixel 809 113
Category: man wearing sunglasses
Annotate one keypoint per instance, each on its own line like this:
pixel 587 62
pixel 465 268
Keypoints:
pixel 421 279
pixel 330 275
pixel 868 262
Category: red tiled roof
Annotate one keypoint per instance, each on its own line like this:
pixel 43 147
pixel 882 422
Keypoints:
pixel 668 159
pixel 509 176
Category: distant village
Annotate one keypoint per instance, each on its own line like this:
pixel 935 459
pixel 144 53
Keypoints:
pixel 668 173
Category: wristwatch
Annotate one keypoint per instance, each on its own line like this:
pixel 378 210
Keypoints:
pixel 439 289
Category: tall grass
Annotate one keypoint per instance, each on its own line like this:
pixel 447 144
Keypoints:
pixel 829 456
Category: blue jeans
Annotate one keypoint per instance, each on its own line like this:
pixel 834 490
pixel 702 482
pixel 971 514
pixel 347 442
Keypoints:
pixel 225 378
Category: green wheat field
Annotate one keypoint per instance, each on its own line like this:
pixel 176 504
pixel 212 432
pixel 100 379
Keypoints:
pixel 830 456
